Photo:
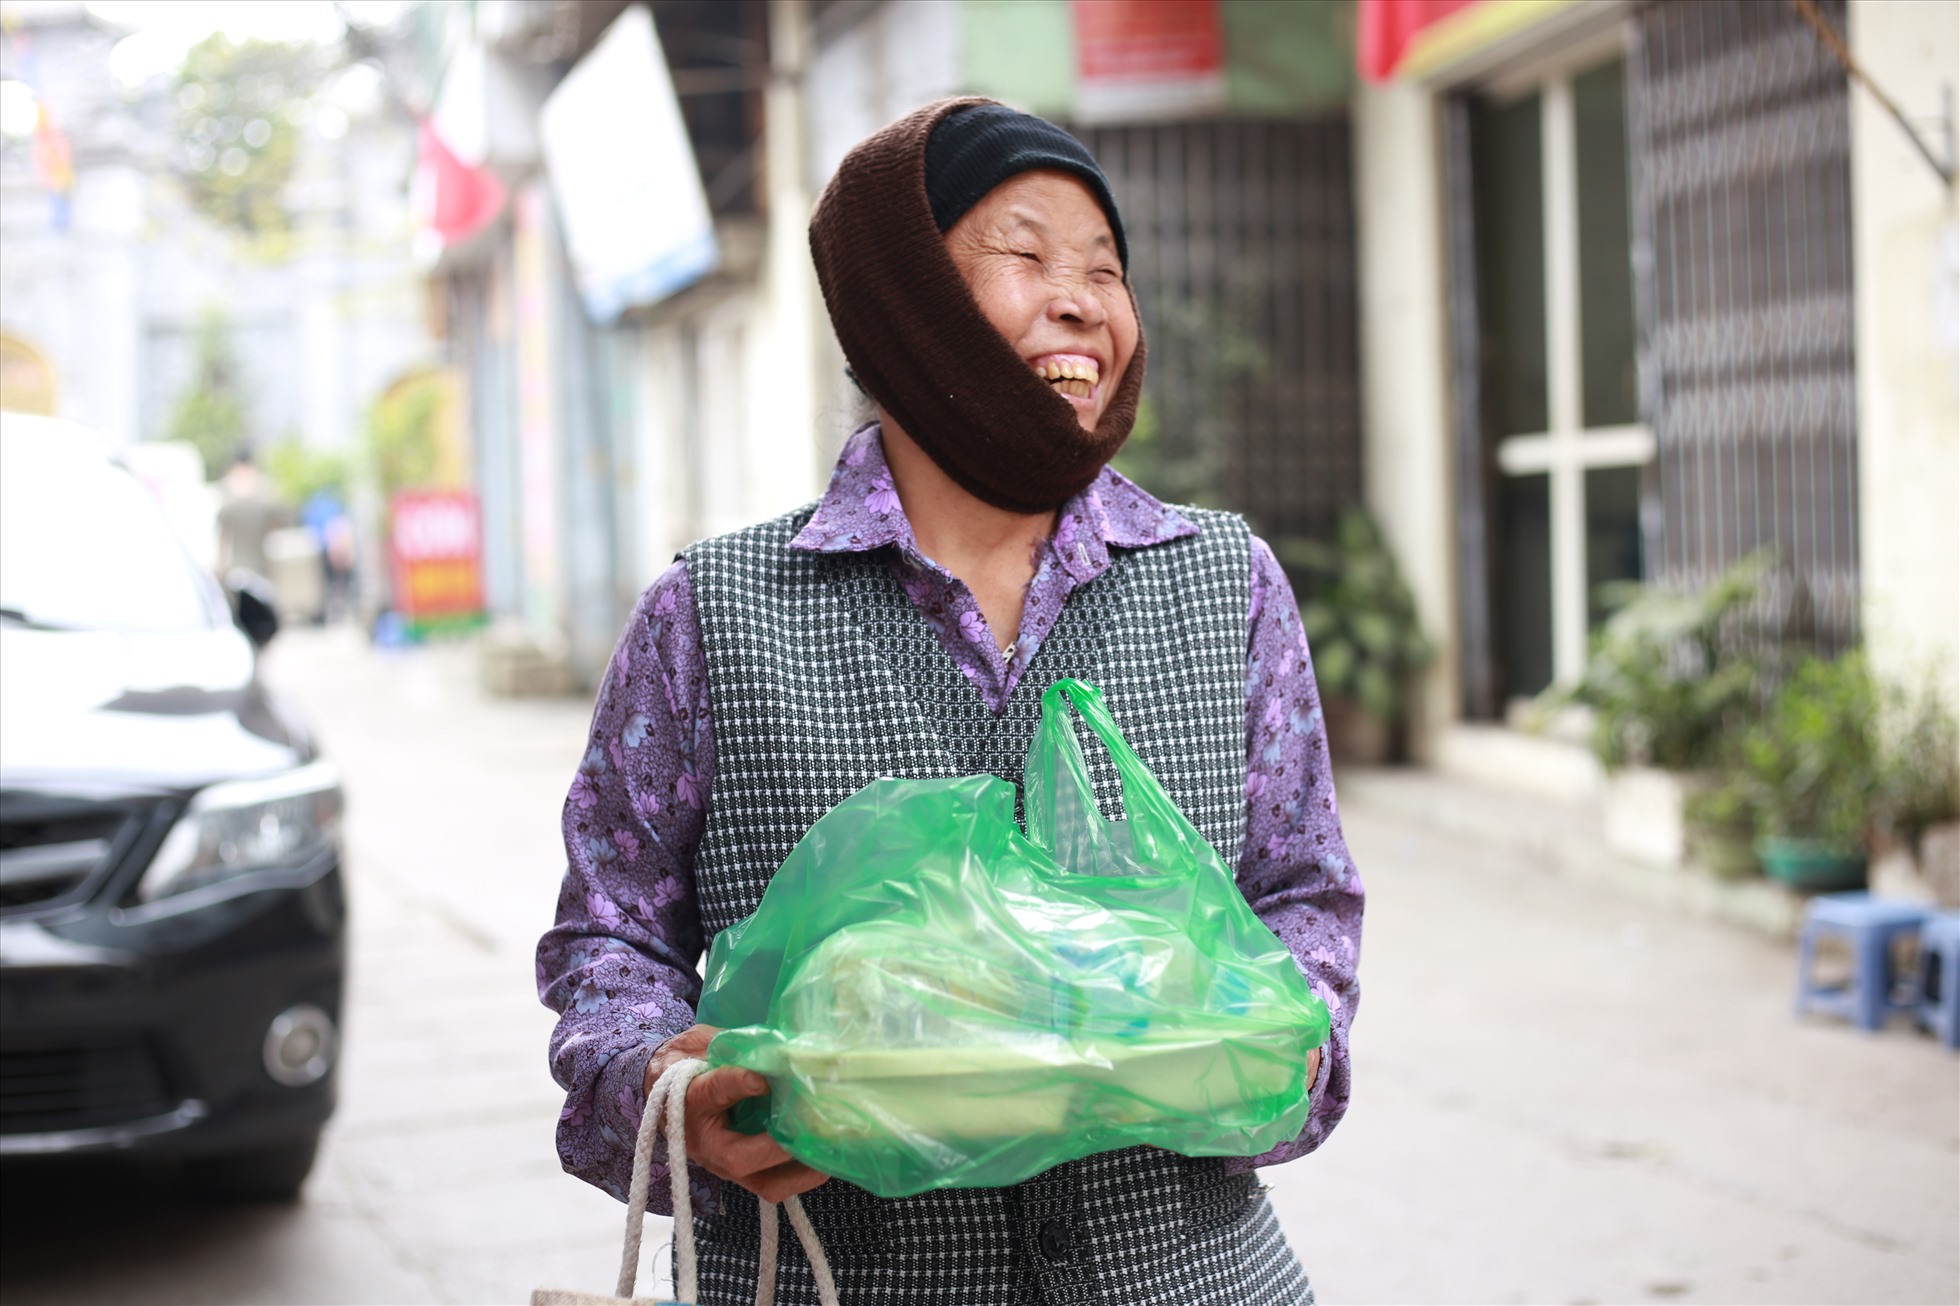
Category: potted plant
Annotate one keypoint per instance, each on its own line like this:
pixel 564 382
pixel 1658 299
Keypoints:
pixel 1719 830
pixel 1362 630
pixel 1814 776
pixel 1667 682
pixel 1920 791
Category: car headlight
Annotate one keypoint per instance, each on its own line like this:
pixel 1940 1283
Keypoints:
pixel 240 826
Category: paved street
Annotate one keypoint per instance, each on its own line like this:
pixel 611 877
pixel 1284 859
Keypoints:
pixel 1560 1096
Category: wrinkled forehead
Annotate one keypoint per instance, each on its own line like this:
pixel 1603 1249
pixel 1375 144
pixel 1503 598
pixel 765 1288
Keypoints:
pixel 1051 206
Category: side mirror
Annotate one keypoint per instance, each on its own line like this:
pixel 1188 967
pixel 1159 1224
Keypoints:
pixel 252 605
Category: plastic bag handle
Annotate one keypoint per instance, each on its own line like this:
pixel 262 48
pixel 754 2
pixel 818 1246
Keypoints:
pixel 1159 832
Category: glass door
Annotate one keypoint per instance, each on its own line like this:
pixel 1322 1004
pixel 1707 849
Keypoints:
pixel 1564 446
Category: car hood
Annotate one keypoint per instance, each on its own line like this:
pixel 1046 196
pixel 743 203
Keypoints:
pixel 114 712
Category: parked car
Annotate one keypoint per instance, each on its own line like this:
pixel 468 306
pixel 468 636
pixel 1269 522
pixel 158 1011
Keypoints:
pixel 172 922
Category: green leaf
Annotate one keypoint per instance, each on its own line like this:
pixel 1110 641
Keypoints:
pixel 1368 575
pixel 1319 621
pixel 1357 534
pixel 1812 766
pixel 1334 666
pixel 1311 555
pixel 1376 689
pixel 1375 632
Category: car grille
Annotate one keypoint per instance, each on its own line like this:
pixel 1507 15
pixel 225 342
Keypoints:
pixel 51 847
pixel 79 1085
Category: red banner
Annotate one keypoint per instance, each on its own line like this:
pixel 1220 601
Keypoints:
pixel 1386 28
pixel 1147 38
pixel 1148 58
pixel 435 548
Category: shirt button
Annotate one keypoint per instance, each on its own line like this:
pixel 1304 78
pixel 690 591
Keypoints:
pixel 1054 1240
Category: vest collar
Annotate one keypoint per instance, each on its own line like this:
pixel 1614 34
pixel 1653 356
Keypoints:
pixel 861 512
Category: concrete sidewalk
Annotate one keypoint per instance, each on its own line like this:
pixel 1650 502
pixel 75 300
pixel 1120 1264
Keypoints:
pixel 1561 1094
pixel 1564 1095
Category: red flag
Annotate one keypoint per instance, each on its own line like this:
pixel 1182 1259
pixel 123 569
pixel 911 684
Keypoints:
pixel 54 161
pixel 456 200
pixel 54 168
pixel 1386 28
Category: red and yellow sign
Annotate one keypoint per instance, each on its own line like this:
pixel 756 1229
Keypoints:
pixel 435 550
pixel 1418 37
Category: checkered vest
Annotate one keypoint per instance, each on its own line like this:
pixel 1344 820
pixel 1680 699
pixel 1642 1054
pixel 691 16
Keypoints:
pixel 823 676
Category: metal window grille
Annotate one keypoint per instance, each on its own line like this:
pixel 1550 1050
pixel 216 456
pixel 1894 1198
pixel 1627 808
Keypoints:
pixel 1741 191
pixel 1242 253
pixel 1473 462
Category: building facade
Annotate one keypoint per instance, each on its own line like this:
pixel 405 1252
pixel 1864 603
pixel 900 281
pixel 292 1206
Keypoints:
pixel 109 269
pixel 1603 290
pixel 606 445
pixel 1638 284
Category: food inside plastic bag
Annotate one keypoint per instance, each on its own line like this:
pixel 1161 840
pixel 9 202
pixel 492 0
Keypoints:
pixel 940 1001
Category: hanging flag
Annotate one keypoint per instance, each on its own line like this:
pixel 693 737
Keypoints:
pixel 54 165
pixel 1385 29
pixel 1419 36
pixel 452 199
pixel 54 160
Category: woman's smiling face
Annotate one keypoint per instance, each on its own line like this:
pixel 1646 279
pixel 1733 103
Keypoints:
pixel 1039 257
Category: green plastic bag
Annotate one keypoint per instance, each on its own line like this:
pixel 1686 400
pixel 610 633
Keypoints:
pixel 938 1001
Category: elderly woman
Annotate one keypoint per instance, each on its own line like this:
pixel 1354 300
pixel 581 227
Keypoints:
pixel 972 548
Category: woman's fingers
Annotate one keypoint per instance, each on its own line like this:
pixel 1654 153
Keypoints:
pixel 711 1142
pixel 749 1159
pixel 784 1181
pixel 730 1154
pixel 754 1161
pixel 691 1042
pixel 715 1091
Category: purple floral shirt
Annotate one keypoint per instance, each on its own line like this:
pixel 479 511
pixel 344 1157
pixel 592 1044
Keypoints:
pixel 619 965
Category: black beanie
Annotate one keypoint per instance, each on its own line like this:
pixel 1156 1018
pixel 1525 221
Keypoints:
pixel 973 150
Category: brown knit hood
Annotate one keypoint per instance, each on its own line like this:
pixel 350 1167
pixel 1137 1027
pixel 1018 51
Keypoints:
pixel 919 345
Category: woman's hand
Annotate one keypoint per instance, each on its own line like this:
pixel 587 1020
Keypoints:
pixel 754 1161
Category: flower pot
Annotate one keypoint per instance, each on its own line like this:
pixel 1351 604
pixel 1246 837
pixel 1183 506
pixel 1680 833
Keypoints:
pixel 1643 810
pixel 1356 737
pixel 1813 865
pixel 1939 862
pixel 1726 852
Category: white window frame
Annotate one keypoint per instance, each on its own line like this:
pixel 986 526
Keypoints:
pixel 1569 449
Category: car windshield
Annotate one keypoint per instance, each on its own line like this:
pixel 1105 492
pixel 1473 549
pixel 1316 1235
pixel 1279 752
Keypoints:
pixel 84 547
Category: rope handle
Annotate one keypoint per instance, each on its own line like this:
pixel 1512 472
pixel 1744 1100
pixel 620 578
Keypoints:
pixel 668 1099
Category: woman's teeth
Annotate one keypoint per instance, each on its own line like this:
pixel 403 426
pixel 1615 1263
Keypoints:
pixel 1071 378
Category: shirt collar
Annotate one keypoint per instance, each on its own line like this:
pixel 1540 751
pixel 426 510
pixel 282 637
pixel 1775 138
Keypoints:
pixel 860 511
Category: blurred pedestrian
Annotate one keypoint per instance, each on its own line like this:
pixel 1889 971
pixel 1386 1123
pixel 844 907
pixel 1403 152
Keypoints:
pixel 249 513
pixel 326 516
pixel 972 548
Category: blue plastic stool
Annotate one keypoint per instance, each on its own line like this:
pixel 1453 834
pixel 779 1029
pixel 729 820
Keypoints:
pixel 1868 926
pixel 1938 998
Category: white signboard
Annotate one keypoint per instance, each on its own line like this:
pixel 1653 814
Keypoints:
pixel 623 174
